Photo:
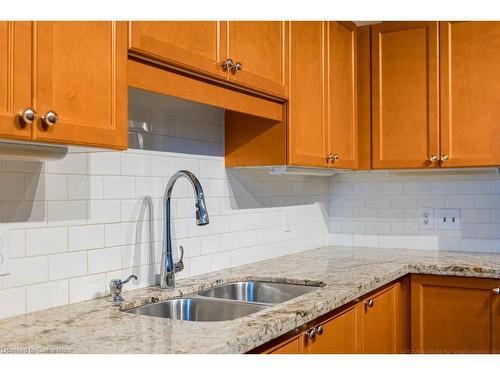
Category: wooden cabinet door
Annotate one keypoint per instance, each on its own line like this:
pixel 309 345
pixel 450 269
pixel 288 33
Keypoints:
pixel 380 332
pixel 341 92
pixel 340 334
pixel 80 73
pixel 307 127
pixel 292 346
pixel 495 320
pixel 454 315
pixel 195 45
pixel 15 78
pixel 261 49
pixel 405 107
pixel 470 93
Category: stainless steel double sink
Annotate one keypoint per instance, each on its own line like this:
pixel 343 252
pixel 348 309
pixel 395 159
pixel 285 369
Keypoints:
pixel 225 302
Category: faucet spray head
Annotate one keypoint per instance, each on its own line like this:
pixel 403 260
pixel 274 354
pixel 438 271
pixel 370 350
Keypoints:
pixel 201 211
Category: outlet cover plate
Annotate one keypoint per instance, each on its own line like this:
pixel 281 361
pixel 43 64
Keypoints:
pixel 449 219
pixel 4 252
pixel 426 219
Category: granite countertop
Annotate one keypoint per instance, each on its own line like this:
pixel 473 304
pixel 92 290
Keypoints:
pixel 98 327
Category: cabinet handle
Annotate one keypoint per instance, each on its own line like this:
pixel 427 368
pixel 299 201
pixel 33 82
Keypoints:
pixel 310 334
pixel 50 118
pixel 444 157
pixel 319 330
pixel 332 158
pixel 496 290
pixel 433 158
pixel 369 302
pixel 236 67
pixel 28 115
pixel 228 64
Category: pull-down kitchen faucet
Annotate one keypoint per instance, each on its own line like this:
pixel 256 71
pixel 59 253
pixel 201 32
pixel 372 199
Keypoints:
pixel 168 267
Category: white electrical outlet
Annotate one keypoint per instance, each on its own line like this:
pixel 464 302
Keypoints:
pixel 4 252
pixel 426 218
pixel 448 219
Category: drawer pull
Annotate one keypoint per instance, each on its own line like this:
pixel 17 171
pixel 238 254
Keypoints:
pixel 319 330
pixel 369 302
pixel 311 334
pixel 496 290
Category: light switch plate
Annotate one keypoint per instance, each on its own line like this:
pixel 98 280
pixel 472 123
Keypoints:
pixel 448 219
pixel 4 252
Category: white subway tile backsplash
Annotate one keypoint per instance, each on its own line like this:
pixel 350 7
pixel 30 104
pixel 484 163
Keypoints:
pixel 47 295
pixel 119 187
pixel 135 165
pixel 71 164
pixel 46 241
pixel 396 222
pixel 487 201
pixel 12 186
pixel 200 265
pixel 12 302
pixel 475 215
pixel 86 237
pixel 104 163
pixel 105 260
pixel 78 187
pixel 67 211
pixel 87 287
pixel 17 243
pixel 26 271
pixel 64 266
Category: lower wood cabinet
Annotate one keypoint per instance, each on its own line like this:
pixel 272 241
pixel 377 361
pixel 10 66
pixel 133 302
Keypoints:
pixel 417 314
pixel 384 321
pixel 376 324
pixel 455 315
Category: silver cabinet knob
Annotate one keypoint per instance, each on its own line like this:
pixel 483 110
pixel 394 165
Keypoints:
pixel 50 118
pixel 236 67
pixel 329 158
pixel 318 330
pixel 444 157
pixel 433 158
pixel 311 334
pixel 227 64
pixel 332 158
pixel 496 290
pixel 28 115
pixel 369 302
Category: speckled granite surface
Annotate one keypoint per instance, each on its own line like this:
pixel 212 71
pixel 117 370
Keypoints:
pixel 98 327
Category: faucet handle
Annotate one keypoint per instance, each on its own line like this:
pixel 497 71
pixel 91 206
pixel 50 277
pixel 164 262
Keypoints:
pixel 179 266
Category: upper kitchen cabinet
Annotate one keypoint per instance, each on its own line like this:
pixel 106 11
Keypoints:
pixel 248 54
pixel 405 95
pixel 15 81
pixel 307 119
pixel 323 125
pixel 257 55
pixel 341 79
pixel 199 46
pixel 470 93
pixel 80 83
